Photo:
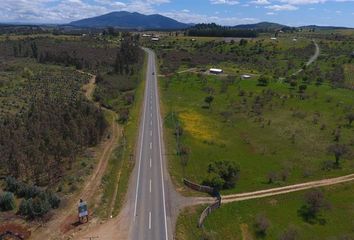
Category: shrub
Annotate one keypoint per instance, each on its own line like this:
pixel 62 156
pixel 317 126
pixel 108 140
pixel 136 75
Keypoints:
pixel 54 200
pixel 33 208
pixel 261 224
pixel 7 201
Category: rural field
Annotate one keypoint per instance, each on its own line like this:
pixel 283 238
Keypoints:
pixel 288 122
pixel 278 132
pixel 283 215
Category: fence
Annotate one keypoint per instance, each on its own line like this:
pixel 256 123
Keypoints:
pixel 198 187
pixel 208 211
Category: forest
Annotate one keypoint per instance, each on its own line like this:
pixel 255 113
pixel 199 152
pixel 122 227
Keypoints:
pixel 214 30
pixel 45 120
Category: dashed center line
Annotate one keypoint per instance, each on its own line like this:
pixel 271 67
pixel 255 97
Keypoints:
pixel 150 162
pixel 149 220
pixel 150 185
pixel 150 132
pixel 151 145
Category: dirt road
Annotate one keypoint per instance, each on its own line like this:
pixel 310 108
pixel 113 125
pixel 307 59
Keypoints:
pixel 277 191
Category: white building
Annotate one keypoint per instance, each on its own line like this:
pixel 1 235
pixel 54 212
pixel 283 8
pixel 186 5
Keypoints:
pixel 215 70
pixel 245 76
pixel 155 39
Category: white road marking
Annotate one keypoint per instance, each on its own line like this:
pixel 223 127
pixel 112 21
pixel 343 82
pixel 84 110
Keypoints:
pixel 150 185
pixel 140 155
pixel 150 162
pixel 150 132
pixel 151 145
pixel 160 143
pixel 151 122
pixel 149 220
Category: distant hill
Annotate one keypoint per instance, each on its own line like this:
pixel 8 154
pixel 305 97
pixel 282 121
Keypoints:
pixel 323 27
pixel 129 20
pixel 260 26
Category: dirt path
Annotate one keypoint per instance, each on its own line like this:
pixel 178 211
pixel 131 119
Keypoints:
pixel 312 59
pixel 276 191
pixel 62 223
pixel 90 86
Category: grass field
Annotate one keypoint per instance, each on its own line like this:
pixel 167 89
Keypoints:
pixel 235 221
pixel 290 135
pixel 349 75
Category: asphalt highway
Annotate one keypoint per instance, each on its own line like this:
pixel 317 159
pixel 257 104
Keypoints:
pixel 150 216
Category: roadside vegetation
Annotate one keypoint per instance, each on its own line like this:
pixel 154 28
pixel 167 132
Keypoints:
pixel 121 91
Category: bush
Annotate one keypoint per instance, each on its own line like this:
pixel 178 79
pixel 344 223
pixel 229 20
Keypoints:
pixel 54 200
pixel 7 201
pixel 33 208
pixel 21 189
pixel 261 224
pixel 11 184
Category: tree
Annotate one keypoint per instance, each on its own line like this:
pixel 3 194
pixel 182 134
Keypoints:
pixel 338 150
pixel 314 203
pixel 7 201
pixel 261 225
pixel 243 42
pixel 263 81
pixel 291 233
pixel 208 100
pixel 272 177
pixel 223 174
pixel 302 88
pixel 350 118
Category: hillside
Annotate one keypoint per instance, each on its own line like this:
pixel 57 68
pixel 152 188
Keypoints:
pixel 131 21
pixel 260 26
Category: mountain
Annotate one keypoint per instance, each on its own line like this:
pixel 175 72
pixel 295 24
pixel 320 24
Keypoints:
pixel 129 20
pixel 260 26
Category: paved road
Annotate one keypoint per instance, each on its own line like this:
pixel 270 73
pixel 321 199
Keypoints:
pixel 150 216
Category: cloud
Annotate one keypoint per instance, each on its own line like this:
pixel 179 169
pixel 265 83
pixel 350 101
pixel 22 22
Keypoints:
pixel 63 11
pixel 285 7
pixel 227 2
pixel 203 18
pixel 302 2
pixel 261 2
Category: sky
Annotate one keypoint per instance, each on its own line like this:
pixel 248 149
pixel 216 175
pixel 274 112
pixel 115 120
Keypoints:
pixel 224 12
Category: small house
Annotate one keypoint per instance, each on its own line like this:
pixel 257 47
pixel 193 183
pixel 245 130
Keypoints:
pixel 215 71
pixel 273 38
pixel 155 39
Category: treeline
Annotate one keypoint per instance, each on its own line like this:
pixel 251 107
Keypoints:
pixel 214 30
pixel 84 54
pixel 118 86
